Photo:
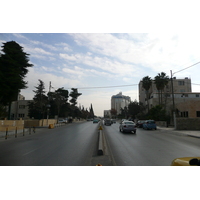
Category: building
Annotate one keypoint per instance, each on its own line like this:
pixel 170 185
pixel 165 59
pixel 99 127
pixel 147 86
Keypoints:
pixel 107 114
pixel 19 108
pixel 187 103
pixel 119 102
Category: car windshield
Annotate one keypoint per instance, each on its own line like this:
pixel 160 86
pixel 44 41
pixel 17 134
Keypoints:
pixel 128 123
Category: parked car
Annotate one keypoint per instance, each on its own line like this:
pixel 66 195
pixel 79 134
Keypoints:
pixel 149 124
pixel 61 121
pixel 140 123
pixel 107 122
pixel 186 161
pixel 127 126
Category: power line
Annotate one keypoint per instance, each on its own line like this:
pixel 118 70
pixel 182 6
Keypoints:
pixel 82 88
pixel 186 68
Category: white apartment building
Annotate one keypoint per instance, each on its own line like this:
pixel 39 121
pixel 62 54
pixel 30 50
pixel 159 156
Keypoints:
pixel 119 101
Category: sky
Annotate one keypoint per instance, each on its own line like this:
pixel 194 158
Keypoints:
pixel 103 64
pixel 99 44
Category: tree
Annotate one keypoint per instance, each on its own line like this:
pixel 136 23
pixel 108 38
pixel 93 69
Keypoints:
pixel 74 96
pixel 161 80
pixel 38 107
pixel 134 108
pixel 91 112
pixel 14 65
pixel 146 84
pixel 59 101
pixel 113 113
pixel 13 69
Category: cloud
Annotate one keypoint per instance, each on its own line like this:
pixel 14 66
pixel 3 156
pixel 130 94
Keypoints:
pixel 155 51
pixel 65 46
pixel 103 63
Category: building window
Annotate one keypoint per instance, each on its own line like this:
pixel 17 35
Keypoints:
pixel 22 106
pixel 181 83
pixel 198 113
pixel 197 95
pixel 184 114
pixel 20 115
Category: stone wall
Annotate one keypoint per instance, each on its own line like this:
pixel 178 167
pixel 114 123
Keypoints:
pixel 20 124
pixel 161 123
pixel 11 124
pixel 188 123
pixel 39 123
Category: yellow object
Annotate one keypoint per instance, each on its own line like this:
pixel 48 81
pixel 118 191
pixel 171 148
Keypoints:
pixel 183 161
pixel 51 126
pixel 100 128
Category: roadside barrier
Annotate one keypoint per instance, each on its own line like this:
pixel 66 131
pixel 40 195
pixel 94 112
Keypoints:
pixel 16 132
pixel 100 148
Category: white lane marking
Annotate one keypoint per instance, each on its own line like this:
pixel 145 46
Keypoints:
pixel 30 152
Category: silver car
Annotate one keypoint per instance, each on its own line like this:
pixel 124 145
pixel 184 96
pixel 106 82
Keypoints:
pixel 127 126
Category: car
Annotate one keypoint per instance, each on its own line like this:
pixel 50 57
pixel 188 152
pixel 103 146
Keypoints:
pixel 96 121
pixel 186 161
pixel 61 121
pixel 149 124
pixel 107 122
pixel 127 126
pixel 140 123
pixel 113 121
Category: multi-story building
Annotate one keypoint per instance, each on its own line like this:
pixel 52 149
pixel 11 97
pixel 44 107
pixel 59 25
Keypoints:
pixel 107 114
pixel 187 103
pixel 119 101
pixel 19 108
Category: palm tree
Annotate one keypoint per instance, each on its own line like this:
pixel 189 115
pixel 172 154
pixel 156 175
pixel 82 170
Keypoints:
pixel 161 80
pixel 146 84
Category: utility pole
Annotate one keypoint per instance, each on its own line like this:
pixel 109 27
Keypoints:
pixel 172 91
pixel 174 114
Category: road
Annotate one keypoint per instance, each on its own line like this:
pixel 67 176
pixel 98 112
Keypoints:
pixel 76 144
pixel 69 145
pixel 148 147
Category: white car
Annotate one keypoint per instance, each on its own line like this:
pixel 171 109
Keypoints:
pixel 127 126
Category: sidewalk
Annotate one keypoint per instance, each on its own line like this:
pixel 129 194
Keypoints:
pixel 191 133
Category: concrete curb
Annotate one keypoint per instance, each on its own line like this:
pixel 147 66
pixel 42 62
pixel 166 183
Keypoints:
pixel 100 148
pixel 100 144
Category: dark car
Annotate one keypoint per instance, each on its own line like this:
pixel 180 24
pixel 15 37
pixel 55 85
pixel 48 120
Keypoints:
pixel 107 122
pixel 140 123
pixel 96 121
pixel 127 126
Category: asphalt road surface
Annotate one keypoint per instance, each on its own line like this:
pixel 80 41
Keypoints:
pixel 69 145
pixel 76 144
pixel 148 147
